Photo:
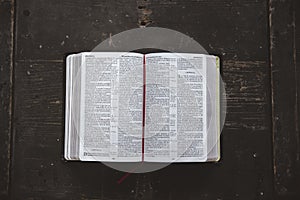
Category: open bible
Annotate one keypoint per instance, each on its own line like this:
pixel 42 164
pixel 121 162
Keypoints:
pixel 131 107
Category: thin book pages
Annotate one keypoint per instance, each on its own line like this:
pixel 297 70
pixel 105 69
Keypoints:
pixel 131 107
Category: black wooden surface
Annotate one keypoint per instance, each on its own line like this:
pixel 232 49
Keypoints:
pixel 259 45
pixel 284 51
pixel 6 46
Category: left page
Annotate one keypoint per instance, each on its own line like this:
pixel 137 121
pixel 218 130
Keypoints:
pixel 111 107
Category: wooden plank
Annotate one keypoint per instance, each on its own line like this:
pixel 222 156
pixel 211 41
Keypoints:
pixel 6 68
pixel 49 30
pixel 238 31
pixel 285 99
pixel 52 29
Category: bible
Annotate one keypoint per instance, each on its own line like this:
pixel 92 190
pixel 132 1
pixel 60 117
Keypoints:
pixel 132 107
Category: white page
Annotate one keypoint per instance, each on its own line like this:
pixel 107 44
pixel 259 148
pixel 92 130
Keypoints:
pixel 71 105
pixel 111 107
pixel 67 109
pixel 75 93
pixel 213 107
pixel 175 108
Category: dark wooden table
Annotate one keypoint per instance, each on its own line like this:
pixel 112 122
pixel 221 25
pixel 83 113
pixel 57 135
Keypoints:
pixel 259 42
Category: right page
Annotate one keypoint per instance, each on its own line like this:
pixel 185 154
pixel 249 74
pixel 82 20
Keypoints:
pixel 175 114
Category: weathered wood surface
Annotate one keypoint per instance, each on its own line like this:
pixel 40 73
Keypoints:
pixel 239 31
pixel 6 68
pixel 284 63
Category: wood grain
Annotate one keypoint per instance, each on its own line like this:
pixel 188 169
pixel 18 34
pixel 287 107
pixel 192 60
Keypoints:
pixel 258 42
pixel 6 69
pixel 48 30
pixel 285 97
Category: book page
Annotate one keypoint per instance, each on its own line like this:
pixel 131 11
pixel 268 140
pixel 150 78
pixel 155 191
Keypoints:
pixel 111 107
pixel 175 108
pixel 72 107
